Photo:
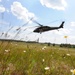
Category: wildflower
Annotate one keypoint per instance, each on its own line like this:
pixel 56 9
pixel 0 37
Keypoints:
pixel 7 51
pixel 68 54
pixel 73 72
pixel 44 48
pixel 47 68
pixel 43 60
pixel 24 51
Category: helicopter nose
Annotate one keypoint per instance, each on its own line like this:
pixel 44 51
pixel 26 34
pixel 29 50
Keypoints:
pixel 34 31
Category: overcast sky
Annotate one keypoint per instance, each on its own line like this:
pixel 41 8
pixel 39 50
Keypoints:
pixel 15 13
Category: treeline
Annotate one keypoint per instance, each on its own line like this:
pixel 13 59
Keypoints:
pixel 11 40
pixel 49 44
pixel 61 45
pixel 67 45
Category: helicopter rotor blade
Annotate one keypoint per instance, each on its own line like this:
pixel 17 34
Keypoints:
pixel 37 23
pixel 27 22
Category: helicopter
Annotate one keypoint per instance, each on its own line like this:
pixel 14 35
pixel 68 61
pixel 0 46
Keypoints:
pixel 43 28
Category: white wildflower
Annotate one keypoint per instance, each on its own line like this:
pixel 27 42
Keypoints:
pixel 43 60
pixel 68 54
pixel 7 51
pixel 44 48
pixel 47 68
pixel 24 51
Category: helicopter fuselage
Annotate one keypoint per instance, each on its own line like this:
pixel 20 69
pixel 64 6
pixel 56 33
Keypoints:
pixel 47 28
pixel 44 28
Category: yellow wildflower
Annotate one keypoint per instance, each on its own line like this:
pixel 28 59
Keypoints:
pixel 73 72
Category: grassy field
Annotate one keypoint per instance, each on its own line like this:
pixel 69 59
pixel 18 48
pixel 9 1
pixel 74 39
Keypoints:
pixel 19 58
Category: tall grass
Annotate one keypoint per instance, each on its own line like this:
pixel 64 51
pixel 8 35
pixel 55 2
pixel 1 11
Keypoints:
pixel 18 58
